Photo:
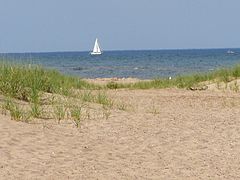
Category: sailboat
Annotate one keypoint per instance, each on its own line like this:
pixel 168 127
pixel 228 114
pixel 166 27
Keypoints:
pixel 96 48
pixel 230 52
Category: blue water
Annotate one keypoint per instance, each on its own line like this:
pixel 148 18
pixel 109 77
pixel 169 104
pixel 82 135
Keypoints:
pixel 145 64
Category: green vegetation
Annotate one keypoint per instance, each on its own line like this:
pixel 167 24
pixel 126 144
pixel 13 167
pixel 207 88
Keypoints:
pixel 223 75
pixel 32 83
pixel 102 98
pixel 87 96
pixel 76 114
pixel 16 112
pixel 31 91
pixel 113 85
pixel 59 111
pixel 36 110
pixel 25 82
pixel 234 86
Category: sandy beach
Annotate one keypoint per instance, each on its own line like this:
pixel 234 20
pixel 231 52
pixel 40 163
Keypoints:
pixel 153 134
pixel 120 90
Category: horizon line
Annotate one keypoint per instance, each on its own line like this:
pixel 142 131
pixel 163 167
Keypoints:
pixel 114 50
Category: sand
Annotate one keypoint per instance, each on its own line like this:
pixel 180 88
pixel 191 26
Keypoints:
pixel 104 81
pixel 159 134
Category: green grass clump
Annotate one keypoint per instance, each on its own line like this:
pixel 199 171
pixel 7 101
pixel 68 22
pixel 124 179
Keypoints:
pixel 178 82
pixel 36 110
pixel 101 98
pixel 236 71
pixel 76 114
pixel 16 112
pixel 60 112
pixel 24 82
pixel 157 83
pixel 35 103
pixel 87 96
pixel 114 85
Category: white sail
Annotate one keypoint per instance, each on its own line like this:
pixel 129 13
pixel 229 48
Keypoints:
pixel 96 48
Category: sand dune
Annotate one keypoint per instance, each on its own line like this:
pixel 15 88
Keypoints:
pixel 160 134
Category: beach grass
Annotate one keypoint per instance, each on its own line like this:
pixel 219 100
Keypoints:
pixel 16 112
pixel 185 81
pixel 76 114
pixel 31 83
pixel 24 82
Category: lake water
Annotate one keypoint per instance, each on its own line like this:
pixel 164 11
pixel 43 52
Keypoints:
pixel 145 64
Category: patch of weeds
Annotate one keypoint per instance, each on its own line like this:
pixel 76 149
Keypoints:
pixel 87 96
pixel 112 85
pixel 76 114
pixel 19 80
pixel 3 110
pixel 102 98
pixel 153 109
pixel 235 87
pixel 24 94
pixel 34 96
pixel 225 75
pixel 59 111
pixel 8 104
pixel 36 110
pixel 16 112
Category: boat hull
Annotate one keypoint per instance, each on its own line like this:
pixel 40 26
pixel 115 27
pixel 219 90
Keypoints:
pixel 96 53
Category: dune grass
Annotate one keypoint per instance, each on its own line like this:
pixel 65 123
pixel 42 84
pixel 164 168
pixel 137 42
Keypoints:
pixel 16 112
pixel 29 83
pixel 76 114
pixel 25 82
pixel 32 83
pixel 186 81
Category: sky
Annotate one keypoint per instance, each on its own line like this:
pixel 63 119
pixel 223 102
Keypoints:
pixel 73 25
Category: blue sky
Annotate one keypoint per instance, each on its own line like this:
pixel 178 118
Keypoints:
pixel 72 25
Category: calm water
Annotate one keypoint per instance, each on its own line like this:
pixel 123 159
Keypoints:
pixel 140 64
